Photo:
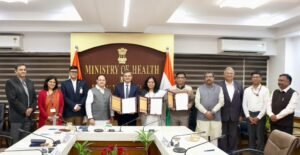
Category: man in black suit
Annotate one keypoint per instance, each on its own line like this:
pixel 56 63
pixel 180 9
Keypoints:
pixel 231 112
pixel 21 96
pixel 75 93
pixel 125 90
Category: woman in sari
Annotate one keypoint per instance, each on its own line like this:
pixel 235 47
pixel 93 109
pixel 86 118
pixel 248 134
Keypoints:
pixel 51 103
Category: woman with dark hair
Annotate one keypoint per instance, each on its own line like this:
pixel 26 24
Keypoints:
pixel 151 90
pixel 51 103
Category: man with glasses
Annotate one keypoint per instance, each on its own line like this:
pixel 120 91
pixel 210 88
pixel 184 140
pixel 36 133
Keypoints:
pixel 181 118
pixel 75 93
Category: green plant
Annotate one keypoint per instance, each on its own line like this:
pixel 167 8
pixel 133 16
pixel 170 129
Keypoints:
pixel 146 138
pixel 83 148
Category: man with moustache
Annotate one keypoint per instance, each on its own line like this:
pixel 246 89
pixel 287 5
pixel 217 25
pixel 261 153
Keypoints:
pixel 282 106
pixel 209 100
pixel 181 118
pixel 21 96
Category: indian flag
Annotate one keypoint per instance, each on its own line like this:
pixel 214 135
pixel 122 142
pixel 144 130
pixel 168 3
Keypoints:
pixel 76 63
pixel 167 81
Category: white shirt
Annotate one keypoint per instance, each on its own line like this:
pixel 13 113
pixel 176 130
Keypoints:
pixel 230 89
pixel 74 83
pixel 159 93
pixel 126 84
pixel 256 100
pixel 90 100
pixel 216 108
pixel 289 109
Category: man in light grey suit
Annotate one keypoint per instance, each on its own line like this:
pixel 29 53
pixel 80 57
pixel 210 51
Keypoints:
pixel 98 105
pixel 231 112
pixel 21 96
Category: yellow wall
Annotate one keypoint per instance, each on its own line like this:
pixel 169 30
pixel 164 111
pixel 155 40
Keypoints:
pixel 159 42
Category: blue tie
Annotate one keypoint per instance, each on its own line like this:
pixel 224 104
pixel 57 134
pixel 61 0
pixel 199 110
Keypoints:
pixel 126 91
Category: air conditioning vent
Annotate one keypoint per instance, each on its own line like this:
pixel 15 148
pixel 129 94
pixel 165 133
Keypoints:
pixel 8 42
pixel 242 46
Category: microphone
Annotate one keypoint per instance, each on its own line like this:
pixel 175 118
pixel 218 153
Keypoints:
pixel 129 122
pixel 55 142
pixel 222 136
pixel 152 130
pixel 172 143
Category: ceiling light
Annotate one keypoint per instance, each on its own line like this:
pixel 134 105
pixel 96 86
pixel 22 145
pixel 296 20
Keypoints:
pixel 242 3
pixel 13 1
pixel 126 13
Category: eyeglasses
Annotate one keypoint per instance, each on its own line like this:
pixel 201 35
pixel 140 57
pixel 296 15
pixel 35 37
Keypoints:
pixel 73 71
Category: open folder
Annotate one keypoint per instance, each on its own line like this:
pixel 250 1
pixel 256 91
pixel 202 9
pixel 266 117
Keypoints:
pixel 179 101
pixel 152 106
pixel 124 106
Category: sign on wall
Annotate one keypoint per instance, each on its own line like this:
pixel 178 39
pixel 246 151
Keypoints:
pixel 112 59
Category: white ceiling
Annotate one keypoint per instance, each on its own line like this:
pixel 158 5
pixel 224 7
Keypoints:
pixel 190 17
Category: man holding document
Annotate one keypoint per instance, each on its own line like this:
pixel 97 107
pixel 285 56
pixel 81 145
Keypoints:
pixel 209 100
pixel 183 101
pixel 128 93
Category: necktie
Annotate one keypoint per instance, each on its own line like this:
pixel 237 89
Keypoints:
pixel 26 90
pixel 126 91
pixel 282 95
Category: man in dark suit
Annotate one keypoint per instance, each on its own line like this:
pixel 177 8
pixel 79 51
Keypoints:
pixel 126 90
pixel 21 96
pixel 231 112
pixel 75 93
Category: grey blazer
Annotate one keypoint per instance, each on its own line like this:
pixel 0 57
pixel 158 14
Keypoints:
pixel 17 99
pixel 232 110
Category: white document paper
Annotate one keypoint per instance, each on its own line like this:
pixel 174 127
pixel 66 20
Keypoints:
pixel 181 100
pixel 156 106
pixel 129 105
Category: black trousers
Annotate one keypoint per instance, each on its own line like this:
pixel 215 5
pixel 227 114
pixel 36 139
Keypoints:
pixel 256 132
pixel 125 118
pixel 230 141
pixel 287 129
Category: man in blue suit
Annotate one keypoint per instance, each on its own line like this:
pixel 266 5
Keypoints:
pixel 231 112
pixel 75 93
pixel 125 90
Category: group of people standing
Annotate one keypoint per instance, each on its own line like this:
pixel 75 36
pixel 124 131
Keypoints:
pixel 220 107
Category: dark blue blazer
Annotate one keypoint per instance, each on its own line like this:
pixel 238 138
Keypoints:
pixel 71 98
pixel 133 92
pixel 232 110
